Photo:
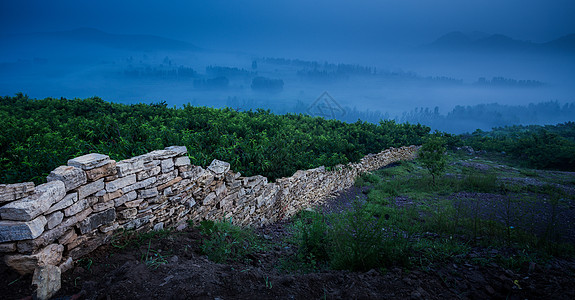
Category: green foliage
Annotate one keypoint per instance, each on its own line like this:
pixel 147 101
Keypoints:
pixel 225 242
pixel 542 147
pixel 432 156
pixel 37 136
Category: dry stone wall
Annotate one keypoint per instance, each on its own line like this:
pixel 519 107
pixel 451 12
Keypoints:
pixel 85 202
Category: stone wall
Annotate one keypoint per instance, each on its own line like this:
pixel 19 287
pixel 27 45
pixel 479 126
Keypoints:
pixel 85 202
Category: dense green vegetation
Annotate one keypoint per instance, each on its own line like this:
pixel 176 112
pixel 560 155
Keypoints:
pixel 36 136
pixel 542 147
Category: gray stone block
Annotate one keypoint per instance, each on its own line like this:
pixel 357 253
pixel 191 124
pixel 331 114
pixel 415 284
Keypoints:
pixel 67 201
pixel 90 188
pixel 18 231
pixel 36 204
pixel 71 176
pixel 89 161
pixel 11 192
pixel 119 183
pixel 182 161
pixel 96 220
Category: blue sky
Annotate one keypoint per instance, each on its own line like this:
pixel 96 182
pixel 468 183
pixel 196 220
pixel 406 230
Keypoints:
pixel 239 23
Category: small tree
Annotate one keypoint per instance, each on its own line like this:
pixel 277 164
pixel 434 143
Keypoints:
pixel 432 156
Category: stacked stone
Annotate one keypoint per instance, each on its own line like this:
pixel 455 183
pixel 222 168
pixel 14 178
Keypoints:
pixel 85 202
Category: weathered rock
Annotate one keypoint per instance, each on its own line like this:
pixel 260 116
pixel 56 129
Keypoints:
pixel 47 280
pixel 163 154
pixel 108 169
pixel 113 195
pixel 26 264
pixel 182 161
pixel 135 203
pixel 163 178
pixel 110 227
pixel 139 185
pixel 130 166
pixel 148 193
pixel 137 223
pixel 119 183
pixel 68 237
pixel 209 200
pixel 76 208
pixel 167 165
pixel 219 167
pixel 128 214
pixel 96 220
pixel 101 206
pixel 11 192
pixel 68 264
pixel 179 150
pixel 30 207
pixel 54 219
pixel 126 198
pixel 89 161
pixel 67 201
pixel 169 183
pixel 90 188
pixel 8 247
pixel 147 173
pixel 71 176
pixel 18 231
pixel 159 226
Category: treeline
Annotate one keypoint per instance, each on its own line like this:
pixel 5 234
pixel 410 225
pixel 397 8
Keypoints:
pixel 486 116
pixel 36 136
pixel 542 147
pixel 508 82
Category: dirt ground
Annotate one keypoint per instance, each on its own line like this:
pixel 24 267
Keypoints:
pixel 184 273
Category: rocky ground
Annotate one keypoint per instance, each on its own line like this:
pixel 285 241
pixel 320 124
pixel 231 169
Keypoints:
pixel 172 267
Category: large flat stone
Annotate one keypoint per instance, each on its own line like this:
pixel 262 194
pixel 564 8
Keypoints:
pixel 71 176
pixel 139 185
pixel 67 201
pixel 11 192
pixel 38 203
pixel 119 183
pixel 18 231
pixel 90 188
pixel 179 150
pixel 89 161
pixel 96 220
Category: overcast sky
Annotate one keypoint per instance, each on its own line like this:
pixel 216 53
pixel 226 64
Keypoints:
pixel 237 24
